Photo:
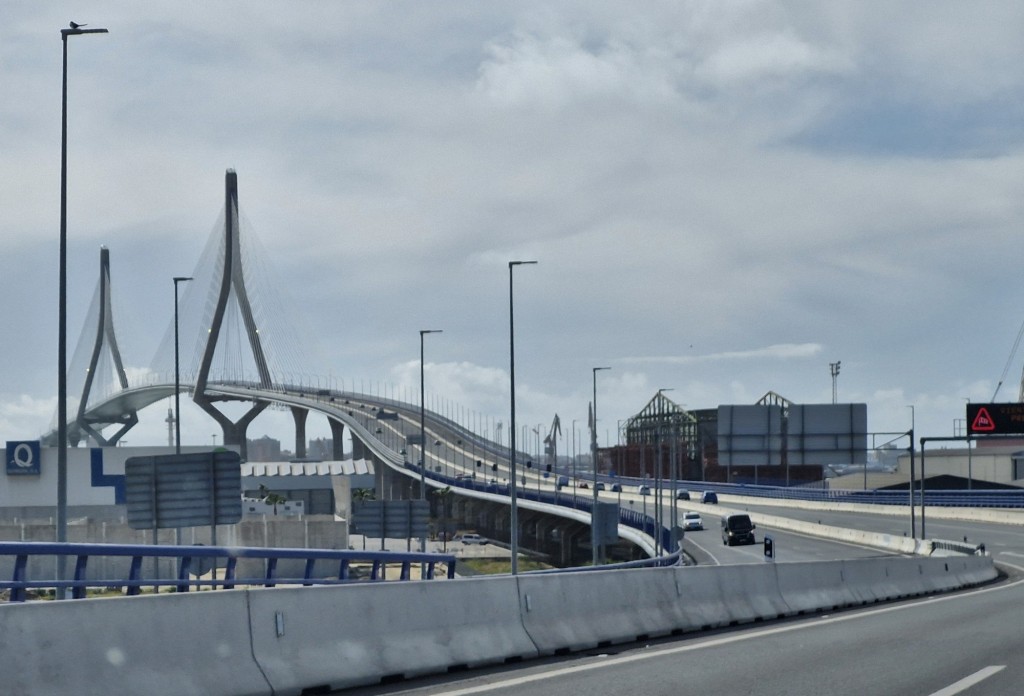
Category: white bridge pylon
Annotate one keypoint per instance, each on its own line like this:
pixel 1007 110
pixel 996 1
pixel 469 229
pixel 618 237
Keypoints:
pixel 232 285
pixel 223 338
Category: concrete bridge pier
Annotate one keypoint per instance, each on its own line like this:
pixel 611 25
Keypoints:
pixel 389 484
pixel 299 416
pixel 235 431
pixel 337 433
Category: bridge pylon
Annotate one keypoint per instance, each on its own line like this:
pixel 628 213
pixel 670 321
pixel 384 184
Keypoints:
pixel 232 279
pixel 86 425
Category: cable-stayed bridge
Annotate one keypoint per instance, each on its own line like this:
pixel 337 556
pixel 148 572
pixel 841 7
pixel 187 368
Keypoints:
pixel 232 328
pixel 239 354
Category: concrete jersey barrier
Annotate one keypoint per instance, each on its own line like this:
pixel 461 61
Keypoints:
pixel 286 641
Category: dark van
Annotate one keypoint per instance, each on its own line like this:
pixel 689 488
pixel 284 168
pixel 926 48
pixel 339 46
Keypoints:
pixel 737 529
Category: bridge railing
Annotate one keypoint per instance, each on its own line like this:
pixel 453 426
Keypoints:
pixel 319 567
pixel 631 518
pixel 999 498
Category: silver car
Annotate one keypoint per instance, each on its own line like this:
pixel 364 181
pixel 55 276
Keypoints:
pixel 692 521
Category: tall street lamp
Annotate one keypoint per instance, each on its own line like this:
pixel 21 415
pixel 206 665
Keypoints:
pixel 423 433
pixel 62 311
pixel 514 514
pixel 593 461
pixel 673 514
pixel 177 370
pixel 833 368
pixel 177 387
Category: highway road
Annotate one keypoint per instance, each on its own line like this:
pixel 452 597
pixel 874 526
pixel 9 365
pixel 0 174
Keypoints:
pixel 967 642
pixel 1003 541
pixel 451 452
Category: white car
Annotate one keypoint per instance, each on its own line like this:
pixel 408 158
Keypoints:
pixel 692 521
pixel 470 539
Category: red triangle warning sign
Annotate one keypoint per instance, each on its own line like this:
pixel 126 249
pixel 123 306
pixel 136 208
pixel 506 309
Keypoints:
pixel 983 422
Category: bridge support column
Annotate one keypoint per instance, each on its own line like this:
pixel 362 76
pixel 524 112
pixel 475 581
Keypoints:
pixel 299 416
pixel 337 433
pixel 234 433
pixel 358 449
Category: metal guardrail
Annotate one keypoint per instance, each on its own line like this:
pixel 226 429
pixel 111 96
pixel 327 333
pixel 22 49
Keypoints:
pixel 938 498
pixel 963 547
pixel 190 558
pixel 671 559
pixel 631 518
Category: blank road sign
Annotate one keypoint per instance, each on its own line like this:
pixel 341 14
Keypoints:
pixel 183 490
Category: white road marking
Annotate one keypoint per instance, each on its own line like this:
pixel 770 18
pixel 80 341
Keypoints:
pixel 713 557
pixel 968 682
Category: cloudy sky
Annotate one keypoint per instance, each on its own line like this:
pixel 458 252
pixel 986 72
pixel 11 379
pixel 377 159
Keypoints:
pixel 723 197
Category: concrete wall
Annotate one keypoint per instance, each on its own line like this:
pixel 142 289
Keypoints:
pixel 287 640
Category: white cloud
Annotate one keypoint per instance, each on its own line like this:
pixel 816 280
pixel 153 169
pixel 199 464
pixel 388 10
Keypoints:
pixel 776 352
pixel 824 182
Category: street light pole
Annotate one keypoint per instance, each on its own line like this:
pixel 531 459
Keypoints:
pixel 514 513
pixel 833 368
pixel 672 496
pixel 177 370
pixel 970 474
pixel 177 387
pixel 593 462
pixel 423 434
pixel 62 312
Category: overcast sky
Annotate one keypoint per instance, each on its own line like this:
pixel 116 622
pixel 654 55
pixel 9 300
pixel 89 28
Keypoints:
pixel 723 197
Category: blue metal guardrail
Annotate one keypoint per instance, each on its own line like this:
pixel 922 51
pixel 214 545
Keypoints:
pixel 189 557
pixel 988 498
pixel 584 503
pixel 937 498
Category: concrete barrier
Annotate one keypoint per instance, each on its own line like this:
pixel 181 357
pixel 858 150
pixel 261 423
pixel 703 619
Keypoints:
pixel 749 592
pixel 194 643
pixel 575 611
pixel 813 586
pixel 343 636
pixel 286 641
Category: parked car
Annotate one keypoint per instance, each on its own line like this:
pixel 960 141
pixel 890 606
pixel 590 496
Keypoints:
pixel 644 490
pixel 737 529
pixel 599 485
pixel 692 521
pixel 616 488
pixel 709 498
pixel 563 481
pixel 470 539
pixel 583 484
pixel 682 495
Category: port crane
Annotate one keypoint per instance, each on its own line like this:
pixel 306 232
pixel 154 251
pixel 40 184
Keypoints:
pixel 551 443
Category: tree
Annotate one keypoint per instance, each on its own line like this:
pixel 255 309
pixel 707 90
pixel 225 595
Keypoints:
pixel 443 495
pixel 271 498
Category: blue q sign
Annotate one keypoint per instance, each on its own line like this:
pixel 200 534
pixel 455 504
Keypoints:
pixel 23 458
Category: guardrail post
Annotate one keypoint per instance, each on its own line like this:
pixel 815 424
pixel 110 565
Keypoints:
pixel 80 570
pixel 134 573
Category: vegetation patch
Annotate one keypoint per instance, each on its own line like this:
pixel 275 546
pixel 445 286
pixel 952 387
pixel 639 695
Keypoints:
pixel 488 566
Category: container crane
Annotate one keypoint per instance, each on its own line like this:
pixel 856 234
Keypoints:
pixel 551 443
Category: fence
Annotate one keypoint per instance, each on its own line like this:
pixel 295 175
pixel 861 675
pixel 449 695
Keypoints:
pixel 194 562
